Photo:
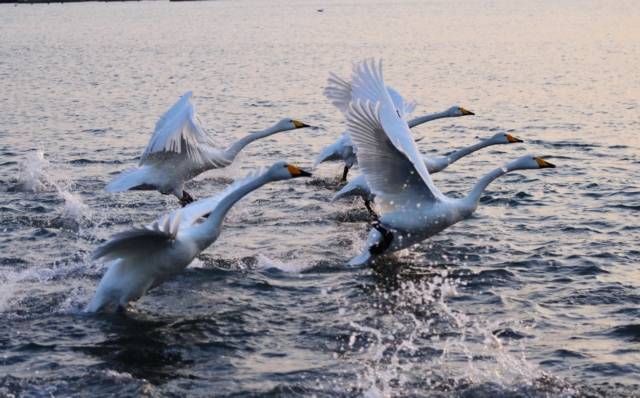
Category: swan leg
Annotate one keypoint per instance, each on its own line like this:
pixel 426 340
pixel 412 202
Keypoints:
pixel 344 173
pixel 186 199
pixel 367 204
pixel 387 238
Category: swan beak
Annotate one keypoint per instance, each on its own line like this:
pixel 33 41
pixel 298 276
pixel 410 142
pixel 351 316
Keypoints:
pixel 298 124
pixel 466 112
pixel 543 164
pixel 297 171
pixel 513 139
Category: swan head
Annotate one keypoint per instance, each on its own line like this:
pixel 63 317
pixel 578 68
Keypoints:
pixel 284 171
pixel 457 111
pixel 529 162
pixel 290 124
pixel 504 138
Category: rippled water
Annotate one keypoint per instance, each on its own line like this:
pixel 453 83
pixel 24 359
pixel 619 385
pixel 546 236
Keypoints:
pixel 537 295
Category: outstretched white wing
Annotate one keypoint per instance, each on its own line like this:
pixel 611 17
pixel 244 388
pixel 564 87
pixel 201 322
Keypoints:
pixel 178 132
pixel 338 91
pixel 387 154
pixel 140 242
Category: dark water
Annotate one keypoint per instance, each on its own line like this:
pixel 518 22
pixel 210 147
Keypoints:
pixel 536 295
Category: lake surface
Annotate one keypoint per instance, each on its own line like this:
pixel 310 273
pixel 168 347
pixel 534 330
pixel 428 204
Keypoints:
pixel 538 294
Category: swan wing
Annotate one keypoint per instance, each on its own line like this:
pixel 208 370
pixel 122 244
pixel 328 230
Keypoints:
pixel 387 154
pixel 404 107
pixel 139 242
pixel 180 134
pixel 338 91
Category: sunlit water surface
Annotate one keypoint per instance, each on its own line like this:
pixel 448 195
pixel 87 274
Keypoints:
pixel 538 294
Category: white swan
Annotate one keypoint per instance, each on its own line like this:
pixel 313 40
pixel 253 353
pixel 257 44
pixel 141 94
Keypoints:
pixel 179 150
pixel 145 257
pixel 338 91
pixel 412 208
pixel 358 186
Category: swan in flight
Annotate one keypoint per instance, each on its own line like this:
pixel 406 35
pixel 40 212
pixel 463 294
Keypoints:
pixel 358 186
pixel 338 91
pixel 143 258
pixel 412 208
pixel 179 150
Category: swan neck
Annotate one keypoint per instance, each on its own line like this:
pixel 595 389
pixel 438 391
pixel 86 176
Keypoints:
pixel 426 118
pixel 462 152
pixel 232 151
pixel 208 231
pixel 481 185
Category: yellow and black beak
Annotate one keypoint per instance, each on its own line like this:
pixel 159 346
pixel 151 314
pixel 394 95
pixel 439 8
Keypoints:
pixel 298 124
pixel 466 112
pixel 297 171
pixel 513 139
pixel 544 164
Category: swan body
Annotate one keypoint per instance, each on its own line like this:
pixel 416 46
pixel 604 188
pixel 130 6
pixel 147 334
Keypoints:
pixel 359 187
pixel 338 91
pixel 143 258
pixel 179 150
pixel 412 207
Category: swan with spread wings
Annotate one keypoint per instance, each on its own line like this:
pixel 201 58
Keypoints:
pixel 142 258
pixel 338 91
pixel 180 149
pixel 412 207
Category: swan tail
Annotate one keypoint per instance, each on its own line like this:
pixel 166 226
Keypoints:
pixel 327 154
pixel 127 180
pixel 356 187
pixel 369 253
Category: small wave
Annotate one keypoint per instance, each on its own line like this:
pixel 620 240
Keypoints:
pixel 629 332
pixel 265 263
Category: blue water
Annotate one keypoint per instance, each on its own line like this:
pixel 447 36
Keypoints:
pixel 536 295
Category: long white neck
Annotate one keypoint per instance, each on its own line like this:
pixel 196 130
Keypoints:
pixel 462 152
pixel 436 164
pixel 481 185
pixel 207 232
pixel 427 118
pixel 232 151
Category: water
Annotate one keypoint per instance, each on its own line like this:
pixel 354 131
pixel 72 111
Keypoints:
pixel 536 295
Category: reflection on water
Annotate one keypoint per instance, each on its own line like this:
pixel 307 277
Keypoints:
pixel 536 295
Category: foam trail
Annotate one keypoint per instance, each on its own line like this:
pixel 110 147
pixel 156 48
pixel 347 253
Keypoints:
pixel 265 263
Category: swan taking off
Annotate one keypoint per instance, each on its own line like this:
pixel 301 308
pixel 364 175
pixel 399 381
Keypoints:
pixel 143 258
pixel 179 150
pixel 338 91
pixel 412 208
pixel 359 187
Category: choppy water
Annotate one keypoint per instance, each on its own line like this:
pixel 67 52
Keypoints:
pixel 536 295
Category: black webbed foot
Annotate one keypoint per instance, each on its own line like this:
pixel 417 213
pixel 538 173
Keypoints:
pixel 374 215
pixel 186 199
pixel 387 238
pixel 344 173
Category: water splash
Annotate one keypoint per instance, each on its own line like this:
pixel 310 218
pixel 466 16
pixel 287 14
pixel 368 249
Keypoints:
pixel 37 175
pixel 421 342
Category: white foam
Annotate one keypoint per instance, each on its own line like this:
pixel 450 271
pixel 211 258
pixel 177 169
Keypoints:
pixel 265 263
pixel 37 175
